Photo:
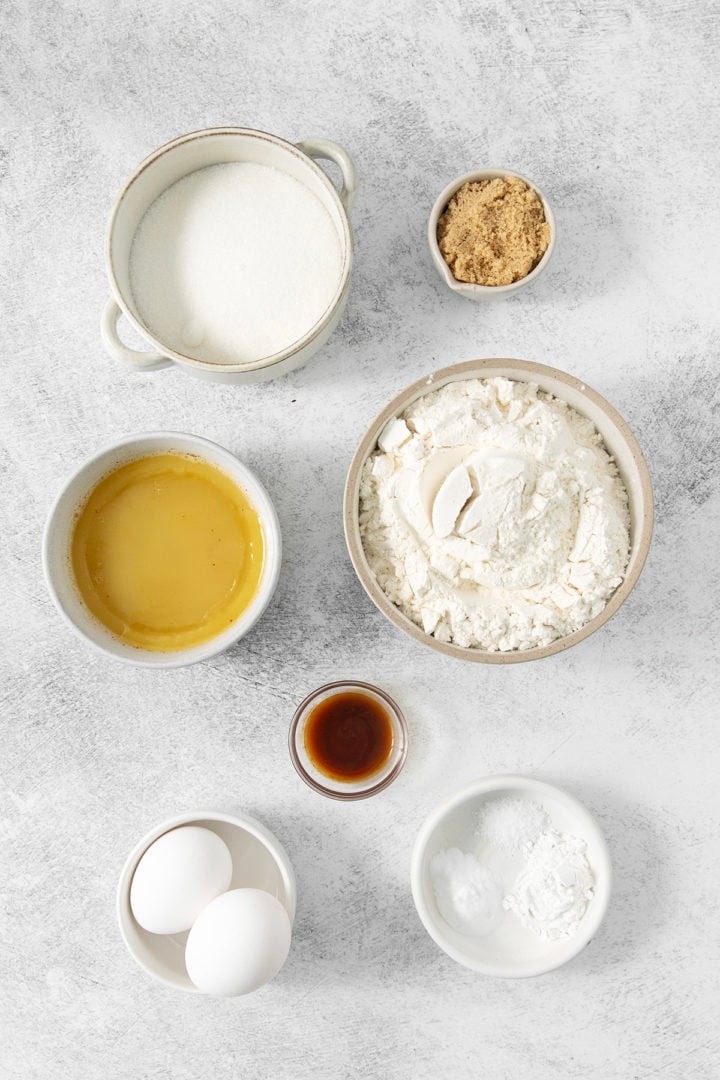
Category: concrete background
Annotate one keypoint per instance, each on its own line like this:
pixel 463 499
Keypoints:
pixel 612 109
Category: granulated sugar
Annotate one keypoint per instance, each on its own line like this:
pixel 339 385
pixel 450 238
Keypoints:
pixel 234 262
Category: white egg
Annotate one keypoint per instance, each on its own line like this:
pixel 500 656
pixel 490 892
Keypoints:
pixel 177 877
pixel 239 943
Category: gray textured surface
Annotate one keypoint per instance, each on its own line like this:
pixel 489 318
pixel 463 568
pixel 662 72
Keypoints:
pixel 612 108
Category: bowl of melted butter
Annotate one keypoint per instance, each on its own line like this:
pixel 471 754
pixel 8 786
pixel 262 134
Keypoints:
pixel 162 550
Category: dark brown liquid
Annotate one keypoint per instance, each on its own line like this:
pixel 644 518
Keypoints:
pixel 348 736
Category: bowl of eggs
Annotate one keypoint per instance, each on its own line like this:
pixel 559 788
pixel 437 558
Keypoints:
pixel 206 903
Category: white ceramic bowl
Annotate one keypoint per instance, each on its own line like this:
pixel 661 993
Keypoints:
pixel 179 158
pixel 259 862
pixel 466 288
pixel 58 536
pixel 618 439
pixel 511 951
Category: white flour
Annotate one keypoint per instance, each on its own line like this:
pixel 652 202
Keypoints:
pixel 552 891
pixel 493 516
pixel 234 262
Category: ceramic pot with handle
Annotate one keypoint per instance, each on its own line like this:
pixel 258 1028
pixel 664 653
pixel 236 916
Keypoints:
pixel 177 159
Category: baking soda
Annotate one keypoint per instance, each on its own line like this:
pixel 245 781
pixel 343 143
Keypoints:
pixel 468 896
pixel 234 262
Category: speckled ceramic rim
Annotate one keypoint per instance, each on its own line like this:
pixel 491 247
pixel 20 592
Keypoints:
pixel 524 371
pixel 114 456
pixel 267 361
pixel 400 752
pixel 601 865
pixel 244 823
pixel 466 288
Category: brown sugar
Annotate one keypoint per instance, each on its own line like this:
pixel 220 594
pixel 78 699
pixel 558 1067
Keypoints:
pixel 493 232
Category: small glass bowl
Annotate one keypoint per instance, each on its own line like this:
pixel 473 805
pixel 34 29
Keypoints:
pixel 348 789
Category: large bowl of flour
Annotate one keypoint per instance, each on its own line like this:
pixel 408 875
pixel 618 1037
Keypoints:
pixel 498 511
pixel 229 252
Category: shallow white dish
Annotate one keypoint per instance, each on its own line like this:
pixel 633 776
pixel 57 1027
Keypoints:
pixel 58 535
pixel 511 951
pixel 259 862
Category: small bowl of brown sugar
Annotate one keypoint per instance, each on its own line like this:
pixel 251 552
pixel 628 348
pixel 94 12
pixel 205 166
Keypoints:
pixel 490 233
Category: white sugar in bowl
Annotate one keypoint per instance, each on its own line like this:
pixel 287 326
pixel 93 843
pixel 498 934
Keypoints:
pixel 173 255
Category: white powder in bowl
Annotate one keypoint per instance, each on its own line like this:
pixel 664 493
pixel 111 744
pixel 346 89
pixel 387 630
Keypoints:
pixel 512 825
pixel 492 515
pixel 549 895
pixel 468 896
pixel 554 888
pixel 234 262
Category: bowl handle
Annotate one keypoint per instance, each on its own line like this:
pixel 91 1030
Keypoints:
pixel 326 148
pixel 140 361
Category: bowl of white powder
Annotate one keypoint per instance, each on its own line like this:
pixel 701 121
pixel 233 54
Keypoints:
pixel 511 876
pixel 498 511
pixel 229 252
